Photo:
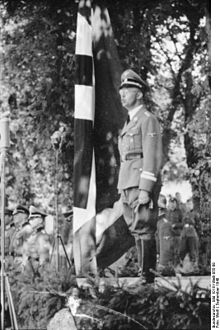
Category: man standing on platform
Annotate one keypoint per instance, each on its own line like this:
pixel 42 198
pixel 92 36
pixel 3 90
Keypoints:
pixel 140 147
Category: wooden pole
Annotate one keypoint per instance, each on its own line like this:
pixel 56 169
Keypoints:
pixel 4 144
pixel 3 153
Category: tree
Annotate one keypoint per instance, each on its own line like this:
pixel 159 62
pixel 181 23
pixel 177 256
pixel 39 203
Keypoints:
pixel 38 83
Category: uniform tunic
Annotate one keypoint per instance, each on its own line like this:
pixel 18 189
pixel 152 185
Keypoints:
pixel 36 250
pixel 9 231
pixel 18 236
pixel 140 148
pixel 175 218
pixel 164 241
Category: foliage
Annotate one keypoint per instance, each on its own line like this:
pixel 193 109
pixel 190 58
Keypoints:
pixel 141 307
pixel 154 308
pixel 38 297
pixel 38 90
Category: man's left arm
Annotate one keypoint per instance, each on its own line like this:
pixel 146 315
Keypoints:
pixel 152 153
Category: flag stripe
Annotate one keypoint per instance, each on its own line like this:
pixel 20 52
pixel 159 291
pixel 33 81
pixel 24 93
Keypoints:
pixel 83 244
pixel 84 102
pixel 82 216
pixel 84 32
pixel 84 70
pixel 115 241
pixel 82 161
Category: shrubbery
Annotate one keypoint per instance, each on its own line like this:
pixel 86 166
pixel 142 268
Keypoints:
pixel 38 298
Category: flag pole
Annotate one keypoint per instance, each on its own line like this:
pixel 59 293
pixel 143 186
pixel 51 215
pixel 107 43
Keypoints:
pixel 3 155
pixel 56 141
pixel 4 144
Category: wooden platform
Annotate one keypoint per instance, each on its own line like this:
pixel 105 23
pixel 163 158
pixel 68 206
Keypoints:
pixel 185 282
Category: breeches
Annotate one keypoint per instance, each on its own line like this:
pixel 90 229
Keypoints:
pixel 189 245
pixel 141 223
pixel 166 251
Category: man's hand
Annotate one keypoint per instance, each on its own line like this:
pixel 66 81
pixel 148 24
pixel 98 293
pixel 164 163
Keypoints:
pixel 144 197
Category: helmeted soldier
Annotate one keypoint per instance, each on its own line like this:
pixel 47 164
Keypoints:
pixel 140 147
pixel 164 238
pixel 189 240
pixel 37 248
pixel 175 217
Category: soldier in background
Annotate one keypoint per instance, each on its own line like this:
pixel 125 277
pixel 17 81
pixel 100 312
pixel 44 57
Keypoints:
pixel 189 240
pixel 20 231
pixel 164 239
pixel 174 216
pixel 37 247
pixel 180 205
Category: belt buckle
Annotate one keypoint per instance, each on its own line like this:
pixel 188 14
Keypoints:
pixel 133 156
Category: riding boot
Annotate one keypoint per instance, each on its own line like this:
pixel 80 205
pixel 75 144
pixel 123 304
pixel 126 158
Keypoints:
pixel 148 259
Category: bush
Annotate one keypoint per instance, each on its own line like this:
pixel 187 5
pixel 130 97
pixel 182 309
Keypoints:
pixel 38 298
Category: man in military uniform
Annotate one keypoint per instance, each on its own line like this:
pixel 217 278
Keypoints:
pixel 174 215
pixel 180 205
pixel 20 231
pixel 140 147
pixel 37 248
pixel 189 240
pixel 164 239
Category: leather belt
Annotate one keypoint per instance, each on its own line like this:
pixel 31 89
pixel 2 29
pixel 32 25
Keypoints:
pixel 133 156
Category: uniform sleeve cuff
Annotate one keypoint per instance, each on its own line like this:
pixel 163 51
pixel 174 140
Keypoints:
pixel 146 185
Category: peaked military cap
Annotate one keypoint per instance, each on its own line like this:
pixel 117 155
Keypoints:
pixel 162 202
pixel 8 211
pixel 68 215
pixel 129 78
pixel 20 209
pixel 34 212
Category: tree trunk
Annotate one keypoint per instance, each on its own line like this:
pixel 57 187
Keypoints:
pixel 176 94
